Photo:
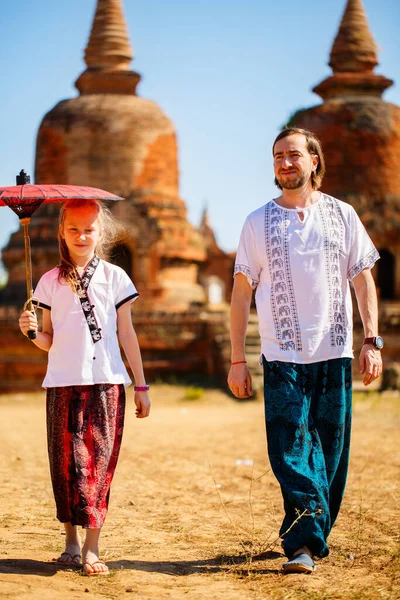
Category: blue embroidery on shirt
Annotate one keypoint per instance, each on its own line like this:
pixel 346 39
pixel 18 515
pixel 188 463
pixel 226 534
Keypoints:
pixel 283 302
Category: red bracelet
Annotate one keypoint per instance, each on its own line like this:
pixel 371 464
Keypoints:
pixel 239 362
pixel 141 388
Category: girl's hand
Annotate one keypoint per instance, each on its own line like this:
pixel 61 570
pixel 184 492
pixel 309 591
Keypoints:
pixel 143 404
pixel 28 322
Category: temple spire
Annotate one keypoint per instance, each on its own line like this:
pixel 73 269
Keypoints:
pixel 108 53
pixel 353 59
pixel 205 219
pixel 109 46
pixel 354 48
pixel 207 231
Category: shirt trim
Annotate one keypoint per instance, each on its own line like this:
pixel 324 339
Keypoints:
pixel 324 358
pixel 282 296
pixel 332 224
pixel 367 262
pixel 245 270
pixel 132 297
pixel 41 304
pixel 87 307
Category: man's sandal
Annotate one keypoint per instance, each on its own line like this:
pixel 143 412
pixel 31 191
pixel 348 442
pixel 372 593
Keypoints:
pixel 300 563
pixel 74 560
pixel 91 565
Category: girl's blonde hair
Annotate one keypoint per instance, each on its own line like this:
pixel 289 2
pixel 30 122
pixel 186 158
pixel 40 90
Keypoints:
pixel 110 232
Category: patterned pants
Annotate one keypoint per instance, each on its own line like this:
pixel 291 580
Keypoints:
pixel 308 421
pixel 84 433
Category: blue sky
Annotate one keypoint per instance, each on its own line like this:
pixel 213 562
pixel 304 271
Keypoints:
pixel 228 73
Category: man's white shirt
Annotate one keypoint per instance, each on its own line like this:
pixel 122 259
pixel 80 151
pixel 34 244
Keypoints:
pixel 301 270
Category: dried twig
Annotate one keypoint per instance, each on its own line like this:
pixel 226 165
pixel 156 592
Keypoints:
pixel 357 551
pixel 227 513
pixel 253 526
pixel 266 545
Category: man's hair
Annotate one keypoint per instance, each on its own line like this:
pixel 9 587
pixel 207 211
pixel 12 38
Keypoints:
pixel 313 147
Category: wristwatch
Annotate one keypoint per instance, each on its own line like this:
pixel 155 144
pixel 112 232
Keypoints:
pixel 377 342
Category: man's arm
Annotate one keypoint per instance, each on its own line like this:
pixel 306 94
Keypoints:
pixel 239 378
pixel 370 357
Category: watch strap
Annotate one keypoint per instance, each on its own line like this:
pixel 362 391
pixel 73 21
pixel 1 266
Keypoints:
pixel 376 341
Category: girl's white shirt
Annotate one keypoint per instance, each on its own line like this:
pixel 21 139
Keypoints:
pixel 74 359
pixel 301 270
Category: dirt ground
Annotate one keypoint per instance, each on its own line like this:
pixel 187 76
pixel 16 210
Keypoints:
pixel 188 510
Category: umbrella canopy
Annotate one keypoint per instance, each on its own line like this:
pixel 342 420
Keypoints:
pixel 25 198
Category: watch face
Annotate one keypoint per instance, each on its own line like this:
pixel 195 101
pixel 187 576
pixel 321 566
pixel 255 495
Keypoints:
pixel 378 342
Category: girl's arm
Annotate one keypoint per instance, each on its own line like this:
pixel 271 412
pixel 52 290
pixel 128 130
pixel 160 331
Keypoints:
pixel 44 338
pixel 130 344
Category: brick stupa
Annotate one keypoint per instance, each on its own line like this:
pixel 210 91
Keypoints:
pixel 360 133
pixel 110 138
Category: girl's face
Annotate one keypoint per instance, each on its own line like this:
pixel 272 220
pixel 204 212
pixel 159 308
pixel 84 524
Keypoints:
pixel 81 232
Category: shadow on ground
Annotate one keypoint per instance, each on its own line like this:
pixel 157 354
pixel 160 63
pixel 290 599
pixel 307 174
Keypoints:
pixel 189 567
pixel 26 566
pixel 175 568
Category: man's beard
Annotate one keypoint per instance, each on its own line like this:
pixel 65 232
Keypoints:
pixel 293 184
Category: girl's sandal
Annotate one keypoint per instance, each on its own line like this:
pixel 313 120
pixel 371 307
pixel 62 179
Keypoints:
pixel 74 560
pixel 91 565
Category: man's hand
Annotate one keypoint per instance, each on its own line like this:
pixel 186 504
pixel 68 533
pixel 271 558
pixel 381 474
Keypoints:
pixel 143 404
pixel 370 363
pixel 239 381
pixel 370 357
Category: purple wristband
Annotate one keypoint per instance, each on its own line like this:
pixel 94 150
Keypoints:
pixel 141 388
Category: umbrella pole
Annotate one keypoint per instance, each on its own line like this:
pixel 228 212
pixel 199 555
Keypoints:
pixel 28 270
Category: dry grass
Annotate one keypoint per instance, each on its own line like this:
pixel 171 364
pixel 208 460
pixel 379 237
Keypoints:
pixel 177 529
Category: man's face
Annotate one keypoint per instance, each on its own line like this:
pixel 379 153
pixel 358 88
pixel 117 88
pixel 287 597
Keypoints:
pixel 293 164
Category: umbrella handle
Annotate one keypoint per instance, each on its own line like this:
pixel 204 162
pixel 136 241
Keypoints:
pixel 28 271
pixel 32 308
pixel 29 306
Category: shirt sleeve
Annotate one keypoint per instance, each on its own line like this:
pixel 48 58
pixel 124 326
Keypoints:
pixel 362 253
pixel 42 294
pixel 126 291
pixel 247 261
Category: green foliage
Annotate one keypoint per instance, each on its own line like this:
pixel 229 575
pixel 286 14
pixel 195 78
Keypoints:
pixel 3 277
pixel 193 393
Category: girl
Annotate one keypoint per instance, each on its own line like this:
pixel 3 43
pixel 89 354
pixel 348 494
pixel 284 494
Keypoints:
pixel 85 301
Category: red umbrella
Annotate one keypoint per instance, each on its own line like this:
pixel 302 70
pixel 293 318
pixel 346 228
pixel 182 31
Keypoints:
pixel 24 199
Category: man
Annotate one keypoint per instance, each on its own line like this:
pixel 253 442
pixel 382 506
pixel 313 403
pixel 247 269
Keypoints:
pixel 299 253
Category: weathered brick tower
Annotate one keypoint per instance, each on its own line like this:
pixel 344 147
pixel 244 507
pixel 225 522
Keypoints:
pixel 110 138
pixel 360 134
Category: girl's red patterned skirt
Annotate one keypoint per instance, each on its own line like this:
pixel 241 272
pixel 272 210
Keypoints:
pixel 84 434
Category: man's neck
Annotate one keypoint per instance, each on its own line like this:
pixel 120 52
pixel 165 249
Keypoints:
pixel 300 198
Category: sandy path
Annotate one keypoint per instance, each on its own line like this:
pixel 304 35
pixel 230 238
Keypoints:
pixel 167 534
